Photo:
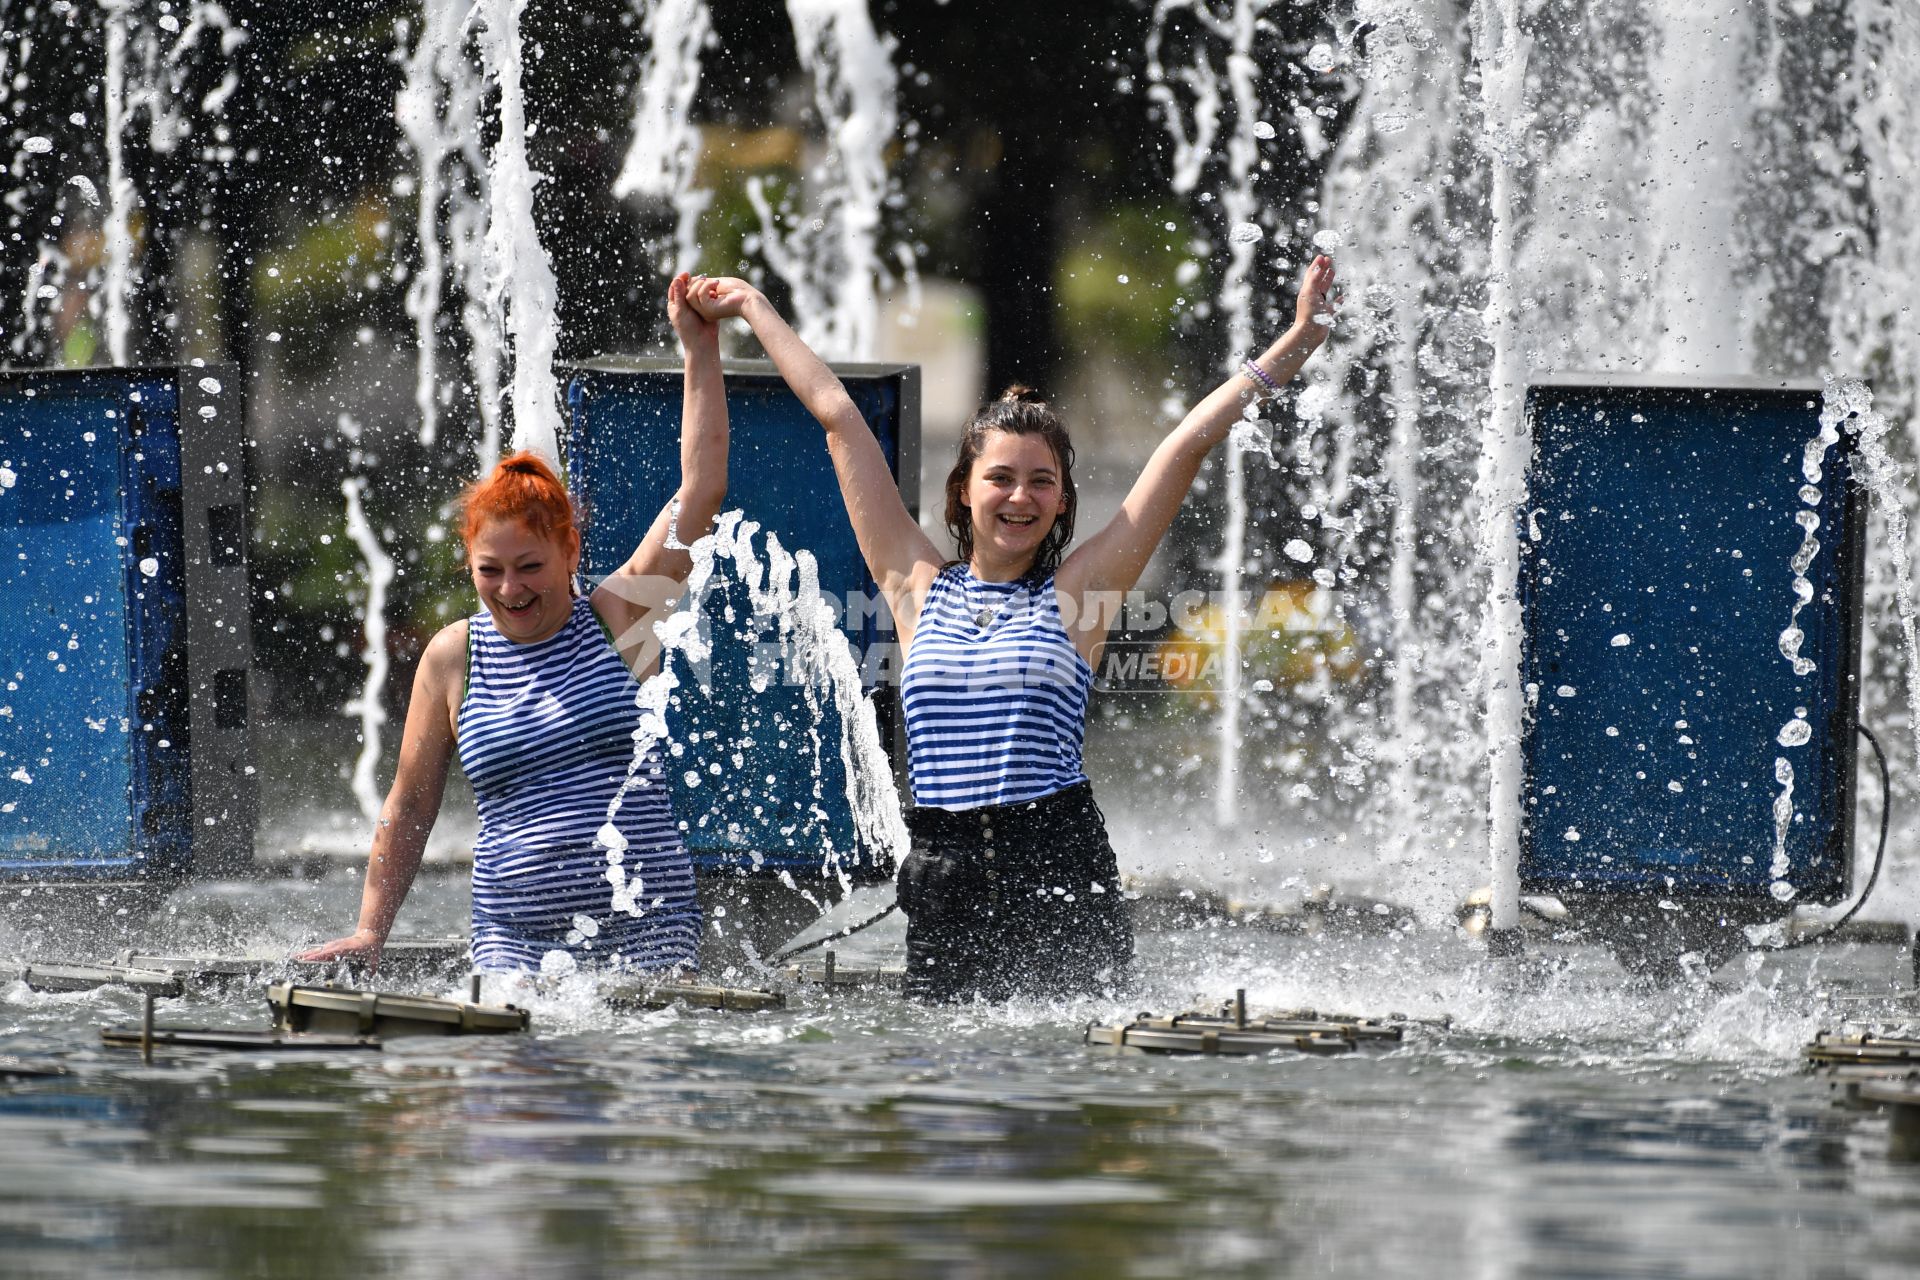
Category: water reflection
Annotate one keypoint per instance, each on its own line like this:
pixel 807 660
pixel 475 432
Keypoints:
pixel 857 1135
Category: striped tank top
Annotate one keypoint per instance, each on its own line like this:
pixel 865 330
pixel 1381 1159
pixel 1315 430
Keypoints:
pixel 995 694
pixel 546 736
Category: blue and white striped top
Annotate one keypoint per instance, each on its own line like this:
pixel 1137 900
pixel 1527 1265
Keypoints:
pixel 995 694
pixel 546 735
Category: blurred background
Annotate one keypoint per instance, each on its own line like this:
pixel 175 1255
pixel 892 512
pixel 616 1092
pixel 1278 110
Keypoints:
pixel 1109 199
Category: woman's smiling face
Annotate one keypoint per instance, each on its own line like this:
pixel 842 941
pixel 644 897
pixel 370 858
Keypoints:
pixel 1014 495
pixel 524 580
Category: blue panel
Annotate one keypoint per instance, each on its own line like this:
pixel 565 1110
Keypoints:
pixel 778 802
pixel 163 799
pixel 1655 574
pixel 95 459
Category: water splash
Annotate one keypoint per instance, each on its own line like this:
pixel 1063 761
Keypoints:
pixel 368 705
pixel 1796 732
pixel 522 296
pixel 786 601
pixel 814 649
pixel 1848 402
pixel 664 157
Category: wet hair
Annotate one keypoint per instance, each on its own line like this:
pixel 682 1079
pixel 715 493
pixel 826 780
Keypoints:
pixel 1019 411
pixel 520 487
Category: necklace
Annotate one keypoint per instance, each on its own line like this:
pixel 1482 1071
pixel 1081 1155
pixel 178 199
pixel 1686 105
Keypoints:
pixel 985 615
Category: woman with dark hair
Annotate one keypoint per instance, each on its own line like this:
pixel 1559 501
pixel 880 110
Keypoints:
pixel 1011 885
pixel 574 865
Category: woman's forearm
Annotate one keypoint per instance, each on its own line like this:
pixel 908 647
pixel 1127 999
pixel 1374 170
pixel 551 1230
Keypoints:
pixel 399 843
pixel 703 438
pixel 1288 355
pixel 1212 419
pixel 817 386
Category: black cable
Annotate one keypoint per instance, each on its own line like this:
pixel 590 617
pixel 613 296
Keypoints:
pixel 1886 809
pixel 787 953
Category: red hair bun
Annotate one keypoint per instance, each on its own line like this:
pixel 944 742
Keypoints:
pixel 521 487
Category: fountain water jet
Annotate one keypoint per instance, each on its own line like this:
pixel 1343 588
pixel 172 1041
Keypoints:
pixel 1387 174
pixel 830 260
pixel 664 158
pixel 1500 49
pixel 1240 210
pixel 119 217
pixel 1702 89
pixel 418 111
pixel 522 296
pixel 368 705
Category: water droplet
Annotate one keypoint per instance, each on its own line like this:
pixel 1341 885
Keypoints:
pixel 1245 233
pixel 1781 890
pixel 37 145
pixel 1675 787
pixel 1566 691
pixel 1795 733
pixel 556 964
pixel 1328 240
pixel 1572 836
pixel 1261 129
pixel 1298 550
pixel 1621 641
pixel 1388 123
pixel 1321 58
pixel 150 567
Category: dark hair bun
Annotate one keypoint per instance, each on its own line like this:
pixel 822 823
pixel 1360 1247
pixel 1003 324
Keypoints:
pixel 1021 393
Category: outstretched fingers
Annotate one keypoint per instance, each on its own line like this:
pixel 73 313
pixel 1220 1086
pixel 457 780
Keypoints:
pixel 1316 302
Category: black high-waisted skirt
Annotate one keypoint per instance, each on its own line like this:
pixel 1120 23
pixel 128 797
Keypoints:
pixel 1013 899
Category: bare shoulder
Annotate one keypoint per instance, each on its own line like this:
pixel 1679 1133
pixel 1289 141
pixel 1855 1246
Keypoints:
pixel 444 661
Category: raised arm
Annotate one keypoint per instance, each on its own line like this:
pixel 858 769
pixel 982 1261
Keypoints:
pixel 406 819
pixel 646 588
pixel 900 556
pixel 1108 564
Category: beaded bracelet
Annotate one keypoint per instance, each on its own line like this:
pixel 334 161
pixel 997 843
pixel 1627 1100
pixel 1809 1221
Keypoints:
pixel 1260 376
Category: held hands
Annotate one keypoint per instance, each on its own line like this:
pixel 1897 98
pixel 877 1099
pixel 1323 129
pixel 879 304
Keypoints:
pixel 689 325
pixel 1313 310
pixel 721 297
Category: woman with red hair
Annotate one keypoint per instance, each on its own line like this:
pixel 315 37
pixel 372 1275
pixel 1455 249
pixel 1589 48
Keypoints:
pixel 579 860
